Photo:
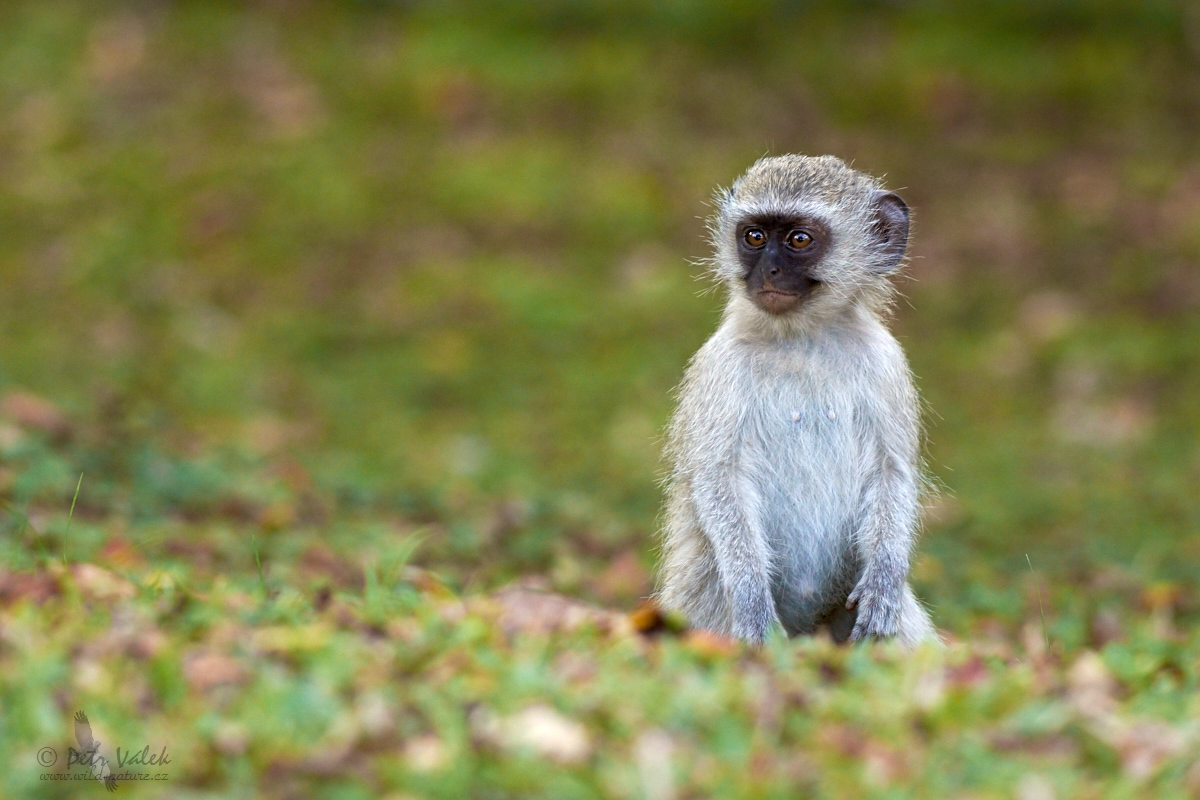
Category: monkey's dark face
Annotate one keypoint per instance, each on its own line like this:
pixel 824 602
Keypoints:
pixel 779 256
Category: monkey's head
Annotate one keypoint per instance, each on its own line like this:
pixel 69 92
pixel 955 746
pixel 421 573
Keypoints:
pixel 801 236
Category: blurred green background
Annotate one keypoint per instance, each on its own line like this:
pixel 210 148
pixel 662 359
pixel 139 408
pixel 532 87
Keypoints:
pixel 351 313
pixel 427 264
pixel 348 272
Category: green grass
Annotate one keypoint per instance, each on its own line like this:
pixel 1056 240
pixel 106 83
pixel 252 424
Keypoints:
pixel 354 313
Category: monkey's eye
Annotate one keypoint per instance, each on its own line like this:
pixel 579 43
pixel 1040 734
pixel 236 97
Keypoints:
pixel 755 237
pixel 799 240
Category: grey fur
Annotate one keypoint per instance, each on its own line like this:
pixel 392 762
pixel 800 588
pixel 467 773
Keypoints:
pixel 794 489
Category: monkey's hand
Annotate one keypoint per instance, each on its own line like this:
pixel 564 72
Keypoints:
pixel 877 597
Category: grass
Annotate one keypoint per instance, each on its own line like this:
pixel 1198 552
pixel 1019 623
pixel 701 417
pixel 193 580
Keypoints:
pixel 362 320
pixel 71 517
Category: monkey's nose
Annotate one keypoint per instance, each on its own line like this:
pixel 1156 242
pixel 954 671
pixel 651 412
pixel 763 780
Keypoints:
pixel 774 271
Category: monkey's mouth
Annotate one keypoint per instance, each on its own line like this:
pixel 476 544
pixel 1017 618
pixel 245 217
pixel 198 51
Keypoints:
pixel 781 301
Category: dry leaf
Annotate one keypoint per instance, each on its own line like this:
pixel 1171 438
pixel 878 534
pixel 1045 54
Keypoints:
pixel 36 587
pixel 649 617
pixel 544 731
pixel 652 752
pixel 119 552
pixel 1091 688
pixel 205 670
pixel 100 584
pixel 35 413
pixel 319 561
pixel 1145 745
pixel 1034 787
pixel 622 580
pixel 710 644
pixel 529 611
pixel 425 753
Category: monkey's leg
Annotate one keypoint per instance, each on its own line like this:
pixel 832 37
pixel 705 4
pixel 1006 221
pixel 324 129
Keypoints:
pixel 742 559
pixel 692 585
pixel 914 627
pixel 889 519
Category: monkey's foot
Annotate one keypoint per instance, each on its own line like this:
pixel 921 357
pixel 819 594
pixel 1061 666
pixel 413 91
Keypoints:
pixel 878 604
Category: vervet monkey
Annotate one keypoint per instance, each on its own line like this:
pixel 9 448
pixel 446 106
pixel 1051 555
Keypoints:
pixel 793 495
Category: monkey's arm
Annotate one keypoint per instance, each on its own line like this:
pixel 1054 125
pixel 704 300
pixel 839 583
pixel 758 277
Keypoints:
pixel 725 512
pixel 889 510
pixel 709 431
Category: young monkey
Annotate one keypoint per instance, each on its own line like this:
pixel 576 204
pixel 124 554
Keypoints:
pixel 793 496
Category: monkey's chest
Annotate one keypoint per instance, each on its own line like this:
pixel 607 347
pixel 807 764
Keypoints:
pixel 806 462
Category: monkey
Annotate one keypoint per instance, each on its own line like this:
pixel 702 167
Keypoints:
pixel 793 467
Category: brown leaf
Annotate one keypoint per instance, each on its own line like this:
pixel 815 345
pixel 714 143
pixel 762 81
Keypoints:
pixel 204 670
pixel 649 617
pixel 1145 745
pixel 1105 627
pixel 968 674
pixel 320 561
pixel 119 552
pixel 883 765
pixel 707 643
pixel 36 587
pixel 623 580
pixel 231 738
pixel 99 584
pixel 276 516
pixel 35 413
pixel 1161 595
pixel 524 610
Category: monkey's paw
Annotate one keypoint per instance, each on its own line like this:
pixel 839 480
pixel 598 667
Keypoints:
pixel 878 609
pixel 754 615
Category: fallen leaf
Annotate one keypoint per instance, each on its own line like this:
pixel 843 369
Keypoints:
pixel 119 552
pixel 622 580
pixel 650 617
pixel 540 729
pixel 276 516
pixel 287 639
pixel 36 587
pixel 1091 688
pixel 528 611
pixel 1145 745
pixel 970 673
pixel 1105 628
pixel 653 752
pixel 205 670
pixel 231 738
pixel 425 753
pixel 35 413
pixel 100 584
pixel 708 643
pixel 1034 787
pixel 319 561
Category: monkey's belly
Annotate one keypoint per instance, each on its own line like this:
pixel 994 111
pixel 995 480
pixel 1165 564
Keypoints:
pixel 810 490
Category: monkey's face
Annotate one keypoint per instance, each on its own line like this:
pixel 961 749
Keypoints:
pixel 779 257
pixel 802 238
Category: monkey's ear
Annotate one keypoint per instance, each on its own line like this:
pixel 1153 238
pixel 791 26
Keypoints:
pixel 890 225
